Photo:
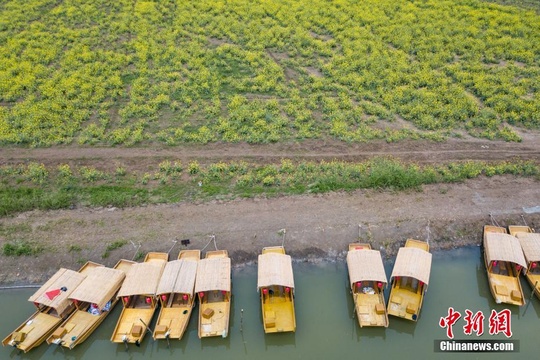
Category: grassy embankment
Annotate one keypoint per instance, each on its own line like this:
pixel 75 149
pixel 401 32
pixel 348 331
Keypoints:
pixel 31 186
pixel 128 73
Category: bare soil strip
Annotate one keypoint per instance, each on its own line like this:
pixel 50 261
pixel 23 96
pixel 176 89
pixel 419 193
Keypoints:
pixel 317 226
pixel 417 151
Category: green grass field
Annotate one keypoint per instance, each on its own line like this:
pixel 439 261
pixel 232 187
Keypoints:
pixel 171 72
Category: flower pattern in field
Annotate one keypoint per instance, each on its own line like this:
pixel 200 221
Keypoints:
pixel 123 72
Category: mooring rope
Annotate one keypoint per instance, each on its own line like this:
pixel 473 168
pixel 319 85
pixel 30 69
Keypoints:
pixel 212 238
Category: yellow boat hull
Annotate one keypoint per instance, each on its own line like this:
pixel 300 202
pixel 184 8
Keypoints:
pixel 370 309
pixel 216 324
pixel 132 325
pixel 278 312
pixel 77 328
pixel 33 331
pixel 172 322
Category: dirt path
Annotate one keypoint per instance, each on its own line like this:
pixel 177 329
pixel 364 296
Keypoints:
pixel 418 151
pixel 316 226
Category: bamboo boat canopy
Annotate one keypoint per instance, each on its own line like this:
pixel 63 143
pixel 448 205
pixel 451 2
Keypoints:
pixel 365 265
pixel 413 262
pixel 503 247
pixel 213 274
pixel 275 269
pixel 530 243
pixel 99 287
pixel 142 279
pixel 178 277
pixel 64 278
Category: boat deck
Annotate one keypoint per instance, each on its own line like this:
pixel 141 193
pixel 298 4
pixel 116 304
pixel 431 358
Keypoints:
pixel 128 322
pixel 190 255
pixel 274 250
pixel 74 328
pixel 218 323
pixel 417 244
pixel 217 254
pixel 175 320
pixel 123 265
pixel 367 312
pixel 89 265
pixel 278 314
pixel 506 289
pixel 405 300
pixel 514 229
pixel 36 329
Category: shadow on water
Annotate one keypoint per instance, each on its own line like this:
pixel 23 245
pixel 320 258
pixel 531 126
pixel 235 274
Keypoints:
pixel 60 351
pixel 350 310
pixel 482 279
pixel 216 342
pixel 279 340
pixel 532 300
pixel 132 348
pixel 403 326
pixel 370 333
pixel 35 353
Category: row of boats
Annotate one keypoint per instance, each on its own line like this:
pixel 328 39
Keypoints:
pixel 408 282
pixel 72 304
pixel 507 254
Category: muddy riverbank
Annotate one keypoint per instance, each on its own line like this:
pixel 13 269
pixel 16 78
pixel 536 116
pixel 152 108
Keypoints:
pixel 312 227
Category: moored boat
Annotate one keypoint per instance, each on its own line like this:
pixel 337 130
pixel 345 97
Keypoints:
pixel 213 287
pixel 53 306
pixel 367 279
pixel 275 283
pixel 530 243
pixel 176 295
pixel 410 278
pixel 504 260
pixel 94 298
pixel 514 229
pixel 138 295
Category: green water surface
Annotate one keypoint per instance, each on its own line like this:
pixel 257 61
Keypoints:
pixel 326 328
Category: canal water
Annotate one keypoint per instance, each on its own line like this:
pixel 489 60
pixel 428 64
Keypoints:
pixel 326 328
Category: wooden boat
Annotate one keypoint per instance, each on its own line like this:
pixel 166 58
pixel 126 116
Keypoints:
pixel 53 306
pixel 367 279
pixel 504 260
pixel 514 229
pixel 138 295
pixel 213 287
pixel 275 284
pixel 530 243
pixel 410 278
pixel 175 292
pixel 94 299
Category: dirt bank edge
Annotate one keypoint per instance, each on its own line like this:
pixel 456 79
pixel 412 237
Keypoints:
pixel 316 226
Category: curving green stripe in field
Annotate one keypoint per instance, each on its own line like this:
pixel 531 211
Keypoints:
pixel 128 72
